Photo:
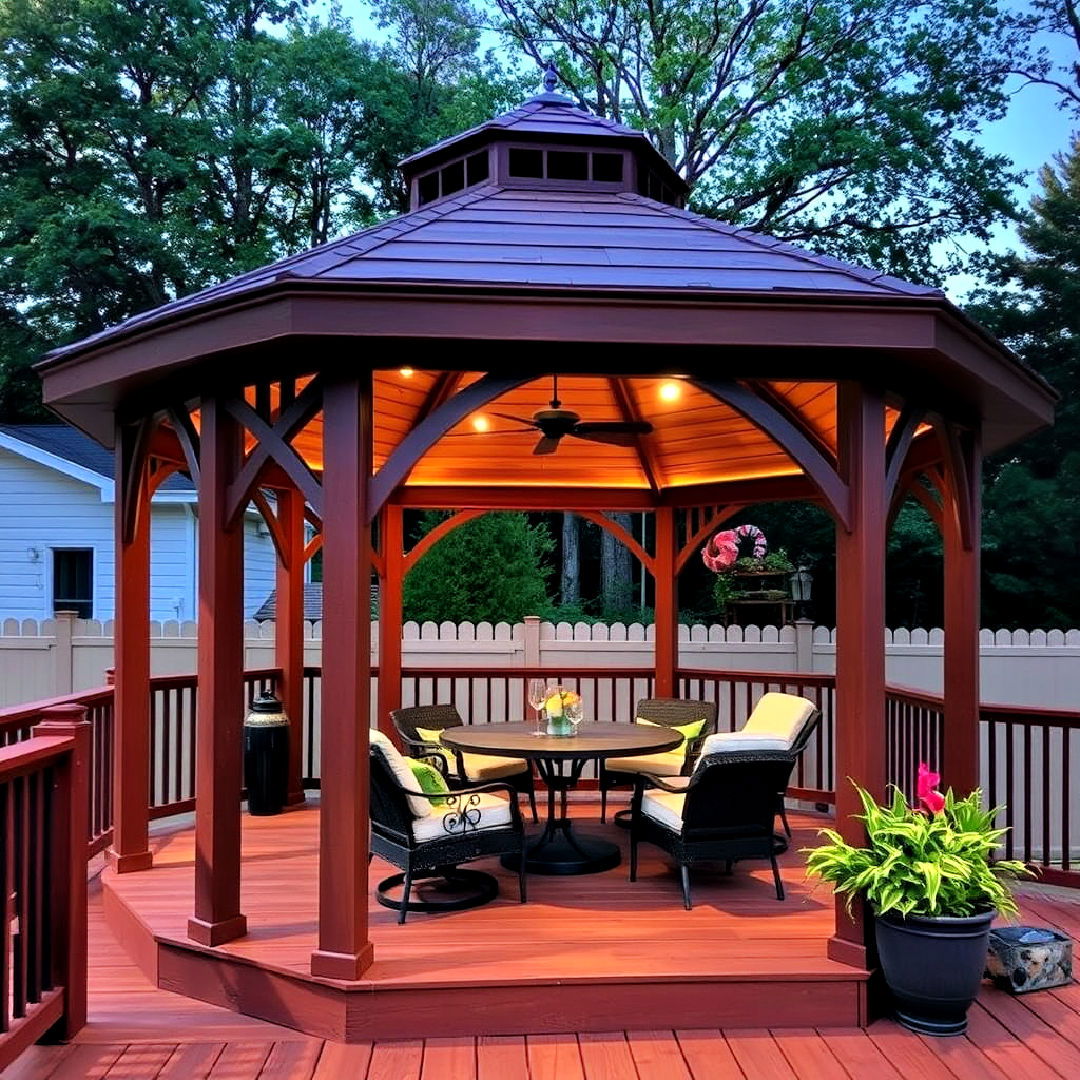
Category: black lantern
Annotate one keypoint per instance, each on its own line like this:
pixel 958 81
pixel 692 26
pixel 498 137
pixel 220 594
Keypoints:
pixel 801 582
pixel 266 755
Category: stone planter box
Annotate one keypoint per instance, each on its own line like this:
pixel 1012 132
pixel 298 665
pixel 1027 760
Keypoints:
pixel 1024 958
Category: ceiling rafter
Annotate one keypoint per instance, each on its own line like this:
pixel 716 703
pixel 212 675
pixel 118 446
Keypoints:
pixel 630 413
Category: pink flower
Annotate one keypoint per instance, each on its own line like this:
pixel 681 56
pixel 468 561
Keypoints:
pixel 932 799
pixel 721 551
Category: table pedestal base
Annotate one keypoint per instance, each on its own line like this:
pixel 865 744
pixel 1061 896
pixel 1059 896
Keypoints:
pixel 564 850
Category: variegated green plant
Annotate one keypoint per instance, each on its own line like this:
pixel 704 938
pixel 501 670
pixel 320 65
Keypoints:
pixel 920 862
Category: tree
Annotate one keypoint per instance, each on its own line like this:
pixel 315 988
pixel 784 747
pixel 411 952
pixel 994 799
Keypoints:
pixel 1060 19
pixel 1032 512
pixel 845 124
pixel 491 569
pixel 570 575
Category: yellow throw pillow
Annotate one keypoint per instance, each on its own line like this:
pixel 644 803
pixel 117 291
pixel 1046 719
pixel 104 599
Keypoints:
pixel 689 732
pixel 434 736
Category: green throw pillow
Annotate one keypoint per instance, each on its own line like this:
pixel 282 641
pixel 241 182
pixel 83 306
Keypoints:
pixel 689 732
pixel 429 778
pixel 434 736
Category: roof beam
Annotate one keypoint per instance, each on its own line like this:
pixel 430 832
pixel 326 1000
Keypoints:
pixel 630 413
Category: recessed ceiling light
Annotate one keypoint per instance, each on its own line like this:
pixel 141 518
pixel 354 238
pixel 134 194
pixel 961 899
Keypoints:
pixel 481 423
pixel 670 391
pixel 406 372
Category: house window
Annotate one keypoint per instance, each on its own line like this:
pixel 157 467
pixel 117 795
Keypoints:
pixel 73 581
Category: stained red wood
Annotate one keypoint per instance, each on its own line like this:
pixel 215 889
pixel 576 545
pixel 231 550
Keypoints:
pixel 962 546
pixel 130 847
pixel 289 630
pixel 449 1059
pixel 554 1057
pixel 657 1055
pixel 666 647
pixel 859 1055
pixel 191 1062
pixel 219 732
pixel 339 1060
pixel 807 1053
pixel 396 1060
pixel 501 1057
pixel 343 950
pixel 391 585
pixel 860 738
pixel 707 1053
pixel 759 1056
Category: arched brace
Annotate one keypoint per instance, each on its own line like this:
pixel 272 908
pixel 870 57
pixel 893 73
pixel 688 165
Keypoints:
pixel 160 471
pixel 273 523
pixel 898 445
pixel 434 426
pixel 620 534
pixel 694 542
pixel 179 417
pixel 314 545
pixel 132 460
pixel 790 436
pixel 959 476
pixel 926 498
pixel 273 444
pixel 425 543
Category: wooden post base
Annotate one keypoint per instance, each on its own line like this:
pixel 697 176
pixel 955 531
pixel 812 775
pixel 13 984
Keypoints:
pixel 345 966
pixel 217 933
pixel 295 798
pixel 847 952
pixel 129 862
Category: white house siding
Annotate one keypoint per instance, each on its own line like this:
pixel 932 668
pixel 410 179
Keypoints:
pixel 42 509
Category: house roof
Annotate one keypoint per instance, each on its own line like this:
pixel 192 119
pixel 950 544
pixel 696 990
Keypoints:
pixel 67 444
pixel 313 603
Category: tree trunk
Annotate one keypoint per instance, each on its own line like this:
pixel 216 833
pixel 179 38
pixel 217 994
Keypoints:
pixel 616 568
pixel 570 580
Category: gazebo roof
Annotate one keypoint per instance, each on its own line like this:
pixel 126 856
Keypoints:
pixel 561 246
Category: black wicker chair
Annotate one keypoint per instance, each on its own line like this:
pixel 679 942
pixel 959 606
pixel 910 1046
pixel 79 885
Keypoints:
pixel 668 712
pixel 458 834
pixel 726 813
pixel 437 718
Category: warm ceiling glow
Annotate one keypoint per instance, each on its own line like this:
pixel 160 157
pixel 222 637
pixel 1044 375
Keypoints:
pixel 670 391
pixel 481 423
pixel 406 372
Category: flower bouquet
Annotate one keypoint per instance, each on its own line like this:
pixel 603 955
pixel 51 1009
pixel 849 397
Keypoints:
pixel 563 711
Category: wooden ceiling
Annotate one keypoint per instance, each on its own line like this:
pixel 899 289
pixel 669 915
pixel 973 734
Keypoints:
pixel 696 439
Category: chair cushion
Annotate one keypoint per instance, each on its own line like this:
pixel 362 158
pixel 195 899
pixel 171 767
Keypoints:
pixel 399 767
pixel 491 767
pixel 430 780
pixel 742 740
pixel 668 763
pixel 434 736
pixel 664 807
pixel 487 812
pixel 782 715
pixel 689 732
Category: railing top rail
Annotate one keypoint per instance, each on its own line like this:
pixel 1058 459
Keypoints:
pixel 18 715
pixel 33 755
pixel 807 678
pixel 570 671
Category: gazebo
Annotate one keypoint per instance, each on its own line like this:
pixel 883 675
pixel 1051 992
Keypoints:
pixel 399 368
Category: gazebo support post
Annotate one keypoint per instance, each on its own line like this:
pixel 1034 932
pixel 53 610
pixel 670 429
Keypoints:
pixel 344 951
pixel 219 732
pixel 962 541
pixel 289 630
pixel 860 633
pixel 130 847
pixel 391 587
pixel 665 607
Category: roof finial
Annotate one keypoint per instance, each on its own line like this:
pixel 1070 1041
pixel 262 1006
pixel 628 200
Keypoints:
pixel 551 77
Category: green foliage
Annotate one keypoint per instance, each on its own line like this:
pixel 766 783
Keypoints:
pixel 846 124
pixel 919 863
pixel 489 569
pixel 1031 522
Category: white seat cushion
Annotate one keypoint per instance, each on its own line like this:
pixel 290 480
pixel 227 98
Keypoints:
pixel 742 740
pixel 775 724
pixel 668 763
pixel 664 807
pixel 402 773
pixel 487 812
pixel 479 767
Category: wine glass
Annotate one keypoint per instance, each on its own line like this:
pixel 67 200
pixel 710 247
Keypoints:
pixel 538 694
pixel 574 714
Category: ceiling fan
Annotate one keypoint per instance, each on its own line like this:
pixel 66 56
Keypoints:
pixel 555 423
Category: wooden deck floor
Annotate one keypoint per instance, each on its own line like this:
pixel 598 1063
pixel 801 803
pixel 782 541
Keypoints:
pixel 614 950
pixel 137 1032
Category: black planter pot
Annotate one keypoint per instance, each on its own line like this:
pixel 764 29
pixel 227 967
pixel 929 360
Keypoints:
pixel 933 968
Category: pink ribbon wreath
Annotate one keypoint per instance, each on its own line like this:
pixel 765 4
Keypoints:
pixel 721 551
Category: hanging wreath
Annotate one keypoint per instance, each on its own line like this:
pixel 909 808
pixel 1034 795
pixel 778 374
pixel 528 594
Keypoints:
pixel 722 550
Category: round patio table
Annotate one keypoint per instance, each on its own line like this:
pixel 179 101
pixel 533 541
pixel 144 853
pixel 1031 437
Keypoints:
pixel 560 848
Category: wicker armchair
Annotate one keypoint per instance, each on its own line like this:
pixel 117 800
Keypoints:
pixel 428 835
pixel 725 813
pixel 668 712
pixel 466 768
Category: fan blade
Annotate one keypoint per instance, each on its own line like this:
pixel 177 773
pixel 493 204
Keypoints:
pixel 629 427
pixel 516 419
pixel 609 438
pixel 546 446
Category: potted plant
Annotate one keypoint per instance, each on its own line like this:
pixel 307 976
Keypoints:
pixel 930 882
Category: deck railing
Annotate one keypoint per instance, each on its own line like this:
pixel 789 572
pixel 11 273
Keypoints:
pixel 43 824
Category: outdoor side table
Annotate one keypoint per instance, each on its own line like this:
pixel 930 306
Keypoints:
pixel 560 848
